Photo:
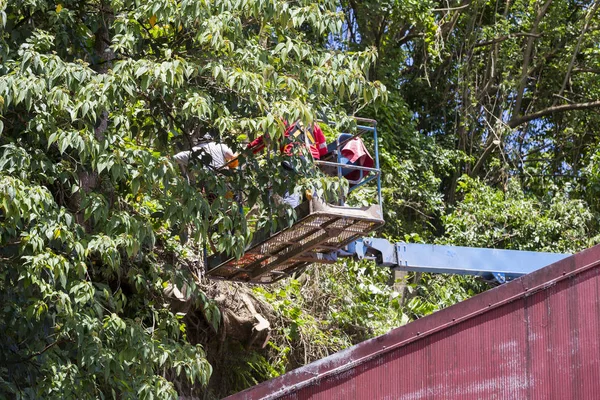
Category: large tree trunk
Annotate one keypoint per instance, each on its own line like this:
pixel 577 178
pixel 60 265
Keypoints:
pixel 102 62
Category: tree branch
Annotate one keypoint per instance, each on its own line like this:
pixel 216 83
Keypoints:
pixel 586 70
pixel 449 26
pixel 39 353
pixel 527 57
pixel 23 20
pixel 452 8
pixel 506 37
pixel 513 123
pixel 578 47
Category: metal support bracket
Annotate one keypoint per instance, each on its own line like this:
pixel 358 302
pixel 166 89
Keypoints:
pixel 380 250
pixel 499 276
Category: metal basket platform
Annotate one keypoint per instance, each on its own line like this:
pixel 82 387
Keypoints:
pixel 321 229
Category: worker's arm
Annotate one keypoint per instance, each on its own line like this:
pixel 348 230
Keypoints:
pixel 183 157
pixel 257 144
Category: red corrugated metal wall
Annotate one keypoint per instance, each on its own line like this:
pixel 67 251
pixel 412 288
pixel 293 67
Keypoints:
pixel 534 338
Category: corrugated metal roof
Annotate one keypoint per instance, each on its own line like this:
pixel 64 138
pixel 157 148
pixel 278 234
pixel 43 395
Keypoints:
pixel 536 337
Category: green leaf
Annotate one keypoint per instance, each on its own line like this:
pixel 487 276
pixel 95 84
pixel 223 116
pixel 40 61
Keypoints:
pixel 52 138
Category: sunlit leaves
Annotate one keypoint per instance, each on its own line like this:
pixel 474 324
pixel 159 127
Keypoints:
pixel 516 220
pixel 95 216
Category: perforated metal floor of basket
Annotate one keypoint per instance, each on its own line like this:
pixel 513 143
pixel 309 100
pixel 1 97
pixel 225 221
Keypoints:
pixel 320 230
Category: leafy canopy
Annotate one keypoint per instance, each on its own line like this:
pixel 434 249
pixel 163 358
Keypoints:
pixel 94 97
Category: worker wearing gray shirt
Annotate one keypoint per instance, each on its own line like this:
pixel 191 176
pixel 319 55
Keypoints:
pixel 219 153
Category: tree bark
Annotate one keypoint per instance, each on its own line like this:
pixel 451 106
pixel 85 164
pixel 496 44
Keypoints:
pixel 104 57
pixel 513 123
pixel 506 37
pixel 88 179
pixel 527 57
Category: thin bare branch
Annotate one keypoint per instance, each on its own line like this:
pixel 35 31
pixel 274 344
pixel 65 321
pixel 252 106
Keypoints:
pixel 506 37
pixel 513 123
pixel 586 70
pixel 527 57
pixel 588 18
pixel 461 7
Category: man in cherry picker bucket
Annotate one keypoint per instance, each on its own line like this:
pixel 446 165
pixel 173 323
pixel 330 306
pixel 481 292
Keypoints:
pixel 352 149
pixel 352 152
pixel 312 137
pixel 220 154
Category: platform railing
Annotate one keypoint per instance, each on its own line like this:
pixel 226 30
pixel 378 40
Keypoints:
pixel 368 174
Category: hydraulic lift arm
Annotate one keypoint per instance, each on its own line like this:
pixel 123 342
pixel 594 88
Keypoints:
pixel 323 232
pixel 501 265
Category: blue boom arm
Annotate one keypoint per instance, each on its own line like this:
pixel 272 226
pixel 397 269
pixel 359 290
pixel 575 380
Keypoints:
pixel 501 265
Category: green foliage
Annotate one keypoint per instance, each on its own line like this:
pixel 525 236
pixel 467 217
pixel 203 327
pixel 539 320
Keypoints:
pixel 516 220
pixel 472 151
pixel 366 305
pixel 248 368
pixel 330 308
pixel 413 167
pixel 432 292
pixel 95 218
pixel 305 334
